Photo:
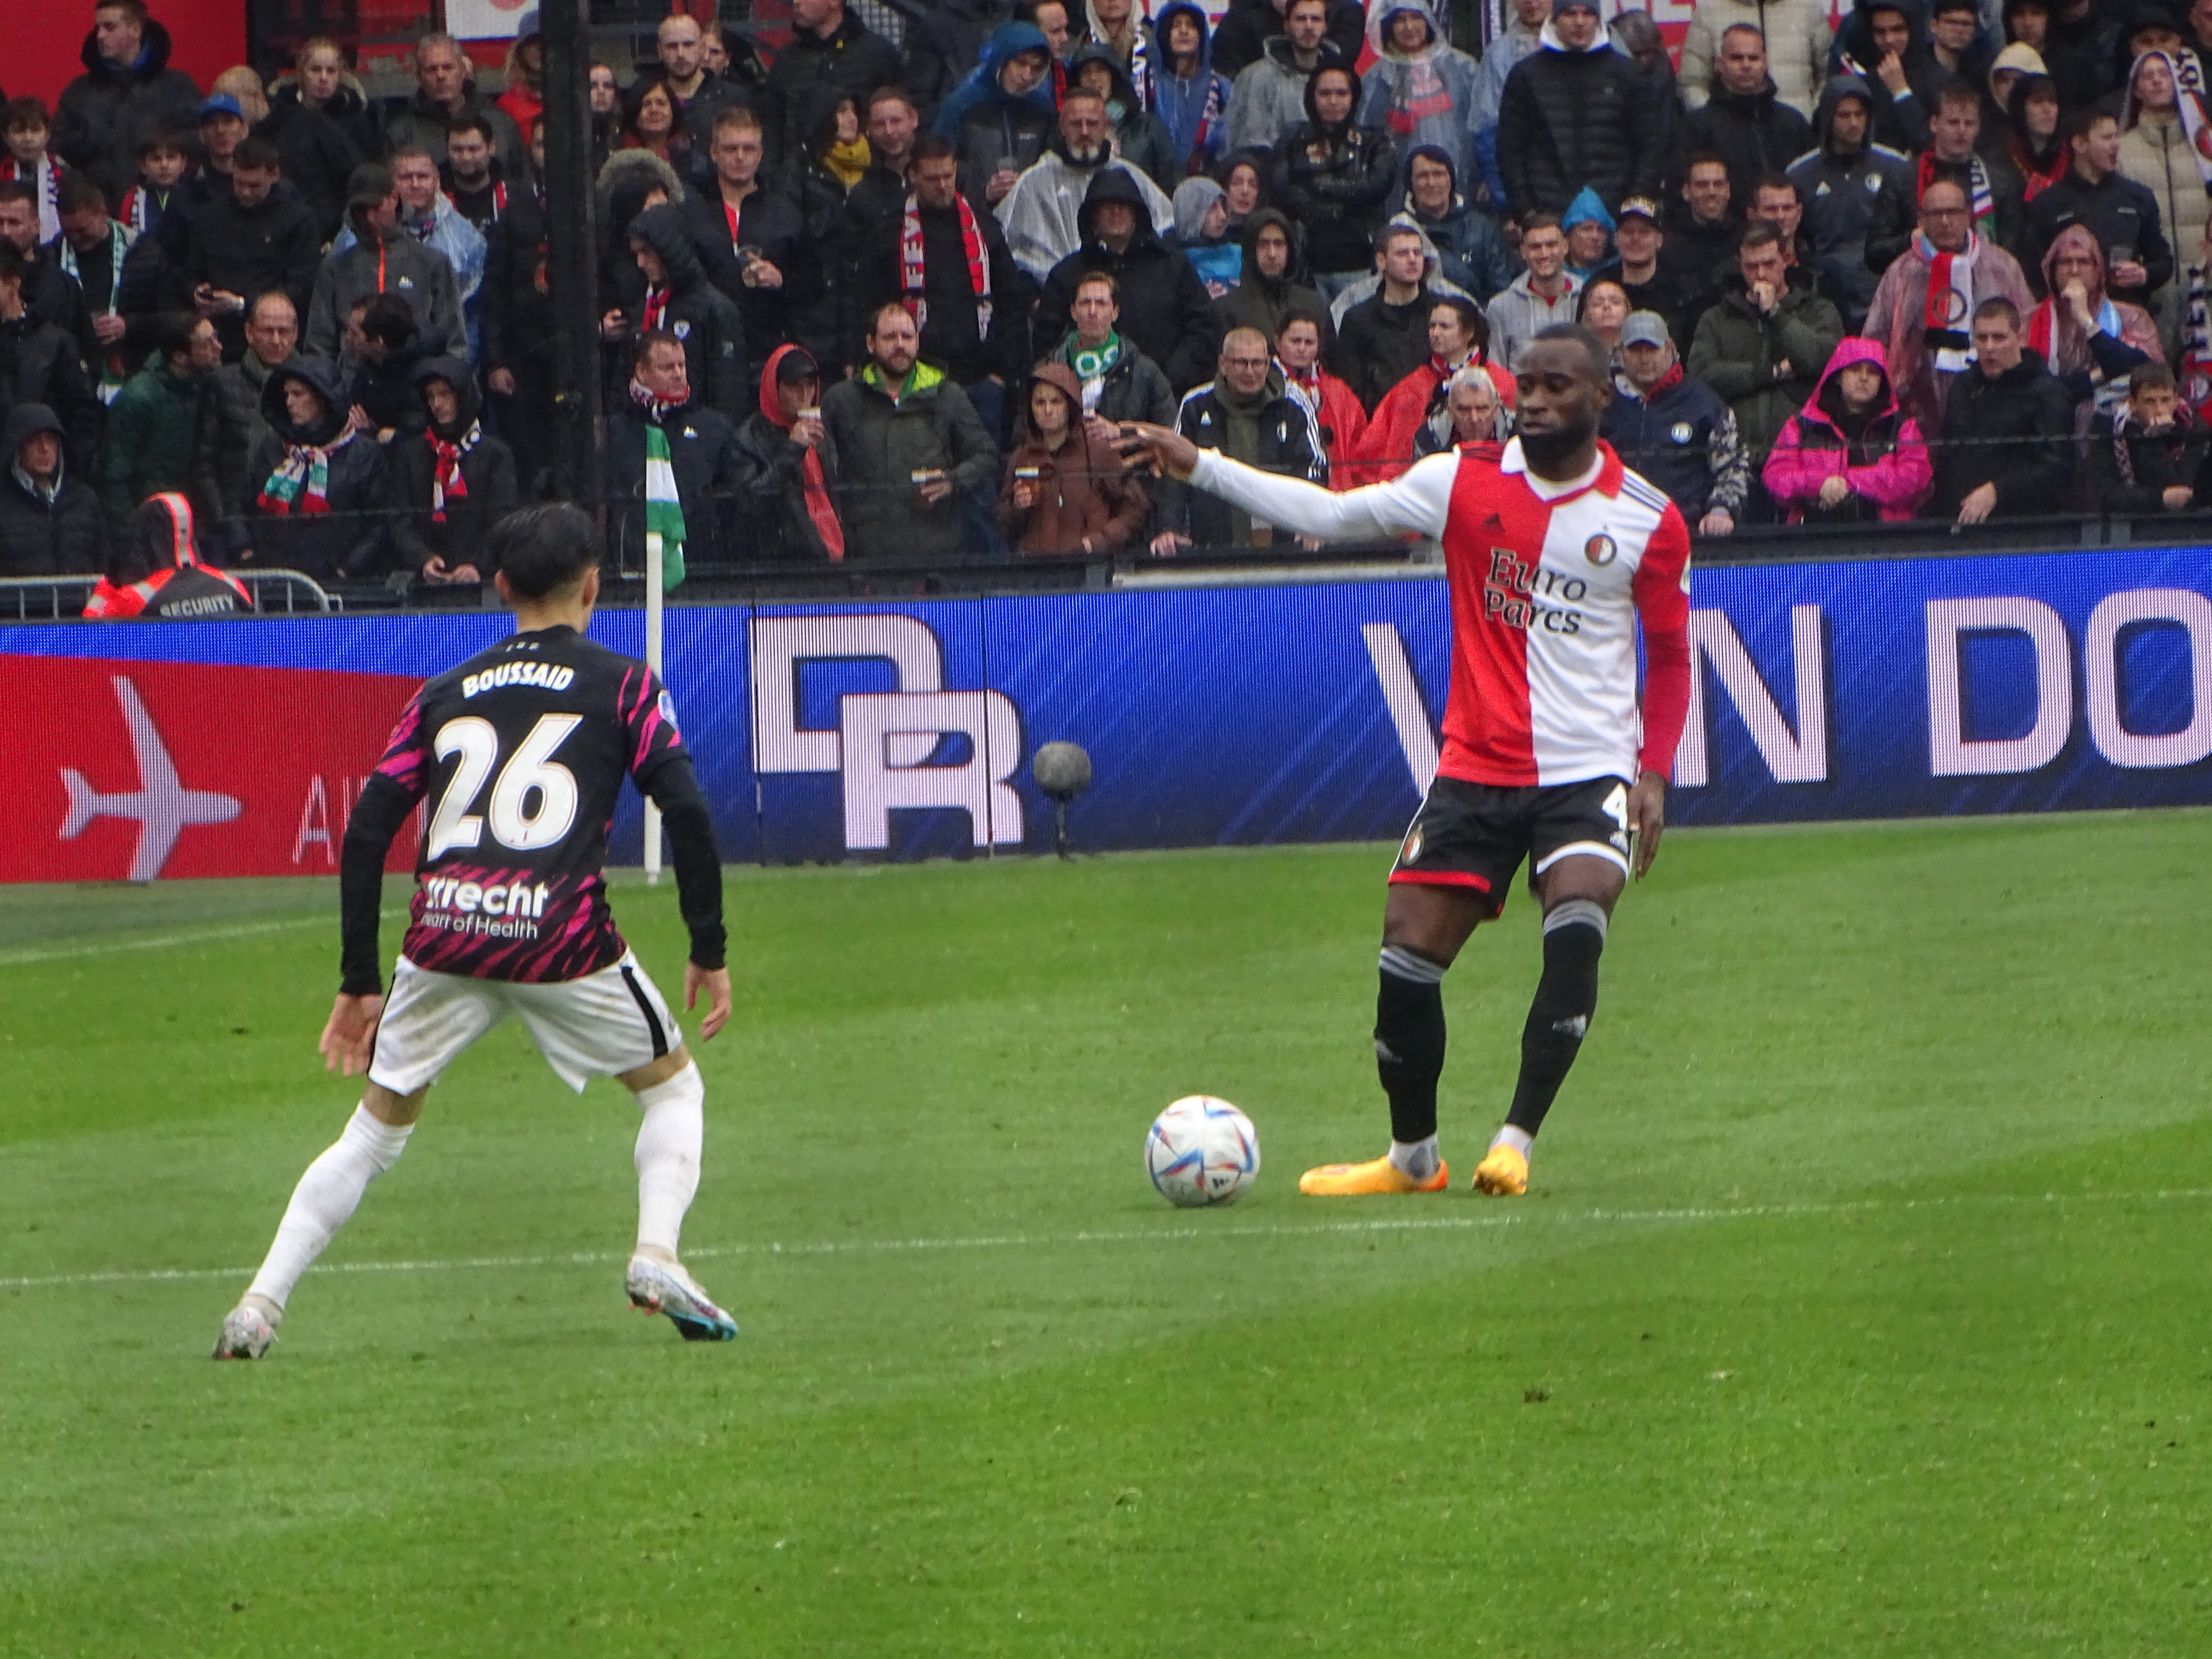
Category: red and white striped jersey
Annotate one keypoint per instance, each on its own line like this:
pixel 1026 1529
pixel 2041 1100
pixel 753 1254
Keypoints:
pixel 1548 581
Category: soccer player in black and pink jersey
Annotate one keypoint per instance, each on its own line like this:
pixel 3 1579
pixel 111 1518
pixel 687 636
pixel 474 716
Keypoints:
pixel 520 751
pixel 1555 552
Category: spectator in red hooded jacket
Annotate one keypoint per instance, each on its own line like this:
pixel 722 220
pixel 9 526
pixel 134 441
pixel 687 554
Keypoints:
pixel 155 571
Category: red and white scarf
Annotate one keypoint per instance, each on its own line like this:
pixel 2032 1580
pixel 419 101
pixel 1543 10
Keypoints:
pixel 1981 200
pixel 656 309
pixel 446 482
pixel 49 182
pixel 1947 315
pixel 913 278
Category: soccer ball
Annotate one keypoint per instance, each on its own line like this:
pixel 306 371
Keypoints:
pixel 1201 1151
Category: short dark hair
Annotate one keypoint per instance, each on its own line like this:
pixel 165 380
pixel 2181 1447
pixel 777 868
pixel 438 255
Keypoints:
pixel 1469 315
pixel 78 194
pixel 173 331
pixel 1704 158
pixel 648 339
pixel 133 10
pixel 1543 220
pixel 900 95
pixel 543 547
pixel 2150 377
pixel 1600 355
pixel 1113 284
pixel 934 147
pixel 1754 29
pixel 25 112
pixel 1303 314
pixel 1943 6
pixel 1760 233
pixel 389 318
pixel 876 316
pixel 1775 181
pixel 1391 231
pixel 2080 121
pixel 1998 306
pixel 173 138
pixel 1345 69
pixel 14 190
pixel 470 121
pixel 13 266
pixel 256 153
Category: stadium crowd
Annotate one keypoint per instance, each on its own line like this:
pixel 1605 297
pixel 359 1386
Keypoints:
pixel 868 294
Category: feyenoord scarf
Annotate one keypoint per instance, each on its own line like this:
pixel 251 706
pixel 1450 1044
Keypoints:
pixel 446 482
pixel 656 309
pixel 1982 202
pixel 1950 304
pixel 912 275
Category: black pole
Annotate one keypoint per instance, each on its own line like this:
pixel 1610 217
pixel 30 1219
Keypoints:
pixel 571 259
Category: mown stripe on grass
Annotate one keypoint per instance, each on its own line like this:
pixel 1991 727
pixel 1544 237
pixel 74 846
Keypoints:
pixel 1519 1216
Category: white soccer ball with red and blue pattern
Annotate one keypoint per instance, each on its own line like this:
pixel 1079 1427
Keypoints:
pixel 1201 1151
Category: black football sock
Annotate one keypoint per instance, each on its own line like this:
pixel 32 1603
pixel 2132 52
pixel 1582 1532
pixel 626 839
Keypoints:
pixel 1409 1041
pixel 1566 997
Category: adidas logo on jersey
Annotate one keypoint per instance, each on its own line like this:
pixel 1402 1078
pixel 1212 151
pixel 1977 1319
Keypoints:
pixel 546 676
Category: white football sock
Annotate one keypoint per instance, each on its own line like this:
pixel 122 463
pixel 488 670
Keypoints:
pixel 325 1200
pixel 1419 1160
pixel 668 1141
pixel 1519 1140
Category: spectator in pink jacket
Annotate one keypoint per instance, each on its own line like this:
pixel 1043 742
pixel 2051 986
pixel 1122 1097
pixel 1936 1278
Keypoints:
pixel 1850 455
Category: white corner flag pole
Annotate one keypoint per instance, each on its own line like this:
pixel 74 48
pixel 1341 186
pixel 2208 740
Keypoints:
pixel 654 575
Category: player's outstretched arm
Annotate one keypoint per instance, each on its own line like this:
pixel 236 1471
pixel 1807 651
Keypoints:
pixel 1413 504
pixel 350 1032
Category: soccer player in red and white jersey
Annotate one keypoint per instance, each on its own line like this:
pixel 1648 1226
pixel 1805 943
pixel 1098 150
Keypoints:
pixel 519 753
pixel 1555 552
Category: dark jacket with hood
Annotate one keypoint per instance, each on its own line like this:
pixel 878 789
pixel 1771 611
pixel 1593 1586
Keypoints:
pixel 882 442
pixel 1140 137
pixel 1471 252
pixel 774 525
pixel 1289 443
pixel 1249 25
pixel 347 541
pixel 62 535
pixel 697 313
pixel 517 308
pixel 1901 122
pixel 811 73
pixel 1335 182
pixel 1571 119
pixel 384 389
pixel 2024 419
pixel 1263 302
pixel 993 128
pixel 318 154
pixel 2155 462
pixel 106 112
pixel 41 363
pixel 1082 487
pixel 1755 134
pixel 1165 308
pixel 1839 188
pixel 487 472
pixel 230 425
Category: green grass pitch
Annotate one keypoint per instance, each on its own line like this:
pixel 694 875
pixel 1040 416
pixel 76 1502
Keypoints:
pixel 1860 1307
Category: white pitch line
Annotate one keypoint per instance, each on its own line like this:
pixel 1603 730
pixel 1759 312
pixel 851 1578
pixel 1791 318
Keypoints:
pixel 153 942
pixel 1519 1216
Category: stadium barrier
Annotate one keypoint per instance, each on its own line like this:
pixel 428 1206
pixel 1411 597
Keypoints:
pixel 1297 711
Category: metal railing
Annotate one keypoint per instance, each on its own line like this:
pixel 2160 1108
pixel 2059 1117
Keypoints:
pixel 61 598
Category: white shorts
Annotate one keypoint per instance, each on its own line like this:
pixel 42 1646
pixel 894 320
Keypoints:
pixel 601 1025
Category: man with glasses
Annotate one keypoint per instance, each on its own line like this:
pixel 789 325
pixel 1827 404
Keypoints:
pixel 1248 413
pixel 1926 348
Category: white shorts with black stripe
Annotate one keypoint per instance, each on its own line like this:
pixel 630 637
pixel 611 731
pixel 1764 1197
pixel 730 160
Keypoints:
pixel 601 1025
